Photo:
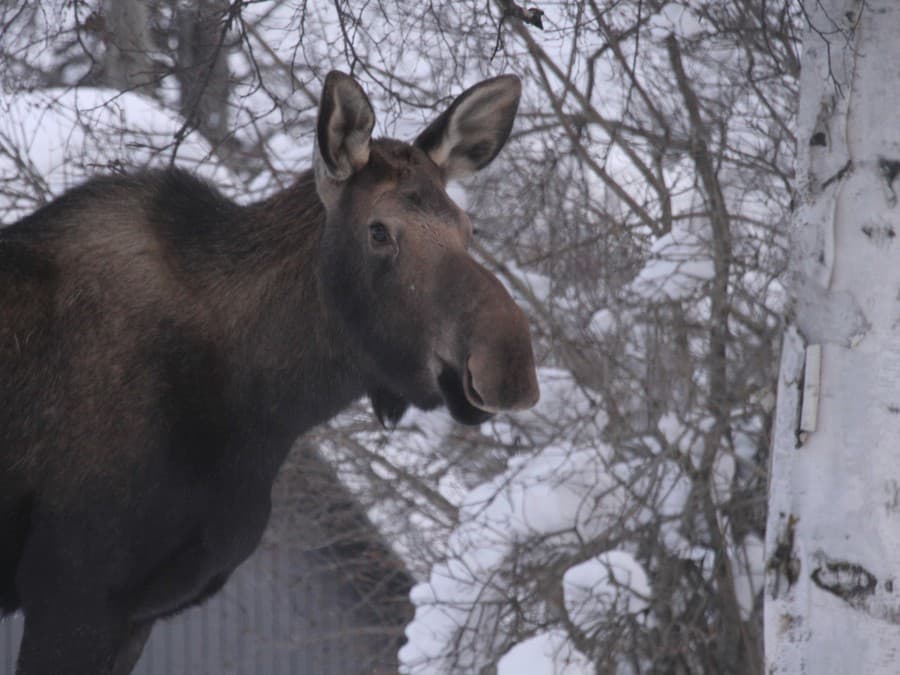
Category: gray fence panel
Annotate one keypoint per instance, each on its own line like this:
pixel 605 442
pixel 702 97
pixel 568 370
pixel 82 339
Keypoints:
pixel 286 611
pixel 276 616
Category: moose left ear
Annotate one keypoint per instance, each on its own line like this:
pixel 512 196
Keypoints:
pixel 470 133
pixel 343 129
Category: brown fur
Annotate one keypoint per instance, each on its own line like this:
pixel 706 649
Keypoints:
pixel 162 347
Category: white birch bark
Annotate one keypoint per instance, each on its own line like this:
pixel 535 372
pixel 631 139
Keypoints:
pixel 833 535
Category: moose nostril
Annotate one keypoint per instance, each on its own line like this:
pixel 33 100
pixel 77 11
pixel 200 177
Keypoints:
pixel 469 387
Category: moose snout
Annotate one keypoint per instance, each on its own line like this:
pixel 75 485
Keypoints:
pixel 489 340
pixel 499 371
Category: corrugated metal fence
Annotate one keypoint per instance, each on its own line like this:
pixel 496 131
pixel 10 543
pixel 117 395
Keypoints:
pixel 287 610
pixel 270 619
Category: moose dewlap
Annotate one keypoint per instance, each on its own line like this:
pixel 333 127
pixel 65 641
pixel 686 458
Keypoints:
pixel 162 347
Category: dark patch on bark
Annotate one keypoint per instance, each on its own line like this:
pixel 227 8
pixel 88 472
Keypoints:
pixel 783 561
pixel 889 169
pixel 839 174
pixel 846 580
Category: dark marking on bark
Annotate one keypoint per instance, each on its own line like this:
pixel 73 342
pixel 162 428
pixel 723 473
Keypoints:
pixel 818 138
pixel 800 436
pixel 889 585
pixel 892 505
pixel 790 623
pixel 889 169
pixel 843 171
pixel 784 562
pixel 879 233
pixel 846 580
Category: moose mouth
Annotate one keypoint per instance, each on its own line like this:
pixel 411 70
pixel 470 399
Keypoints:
pixel 455 391
pixel 462 408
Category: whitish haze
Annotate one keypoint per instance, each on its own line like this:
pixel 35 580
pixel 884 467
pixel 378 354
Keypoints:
pixel 637 214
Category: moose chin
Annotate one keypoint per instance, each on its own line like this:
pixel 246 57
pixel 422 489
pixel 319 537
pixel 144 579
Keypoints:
pixel 162 347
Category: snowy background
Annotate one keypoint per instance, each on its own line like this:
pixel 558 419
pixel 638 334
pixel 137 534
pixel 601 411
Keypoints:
pixel 637 215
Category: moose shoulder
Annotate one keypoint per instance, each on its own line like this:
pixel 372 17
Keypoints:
pixel 161 348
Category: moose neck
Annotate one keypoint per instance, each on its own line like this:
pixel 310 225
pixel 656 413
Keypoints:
pixel 295 366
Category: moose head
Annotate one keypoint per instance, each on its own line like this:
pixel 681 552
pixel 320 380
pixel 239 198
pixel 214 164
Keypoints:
pixel 429 323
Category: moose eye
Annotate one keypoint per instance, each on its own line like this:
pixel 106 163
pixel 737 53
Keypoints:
pixel 379 233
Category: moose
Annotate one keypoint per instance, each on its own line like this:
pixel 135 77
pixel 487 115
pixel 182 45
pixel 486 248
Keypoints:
pixel 162 347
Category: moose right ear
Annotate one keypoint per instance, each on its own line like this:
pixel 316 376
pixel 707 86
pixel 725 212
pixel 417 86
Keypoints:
pixel 343 130
pixel 470 133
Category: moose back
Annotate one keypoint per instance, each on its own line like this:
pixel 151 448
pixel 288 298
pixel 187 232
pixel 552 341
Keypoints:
pixel 162 347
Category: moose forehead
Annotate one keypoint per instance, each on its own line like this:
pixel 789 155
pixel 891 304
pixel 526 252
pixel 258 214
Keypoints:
pixel 405 177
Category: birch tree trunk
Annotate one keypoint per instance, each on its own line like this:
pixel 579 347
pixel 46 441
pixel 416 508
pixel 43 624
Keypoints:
pixel 833 535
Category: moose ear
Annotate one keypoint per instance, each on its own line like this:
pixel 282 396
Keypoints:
pixel 343 130
pixel 474 128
